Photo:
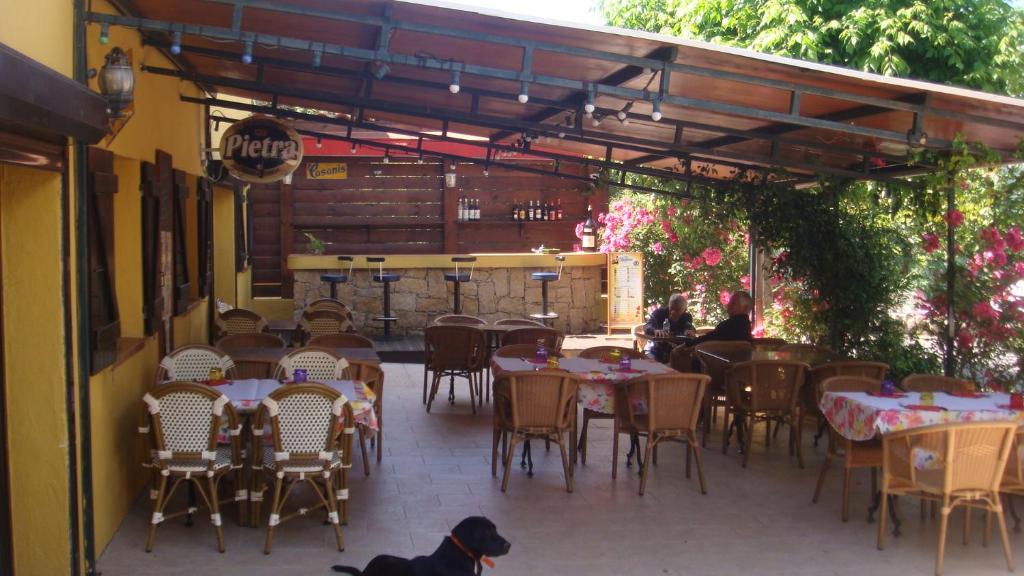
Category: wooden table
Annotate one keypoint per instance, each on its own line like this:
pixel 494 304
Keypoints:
pixel 261 362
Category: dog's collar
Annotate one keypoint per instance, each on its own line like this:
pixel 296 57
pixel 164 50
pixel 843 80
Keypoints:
pixel 483 559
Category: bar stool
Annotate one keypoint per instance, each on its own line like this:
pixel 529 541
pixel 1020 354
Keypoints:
pixel 458 278
pixel 337 278
pixel 545 277
pixel 385 278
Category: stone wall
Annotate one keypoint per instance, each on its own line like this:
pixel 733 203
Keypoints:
pixel 493 294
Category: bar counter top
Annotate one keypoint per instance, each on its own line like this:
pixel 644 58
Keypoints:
pixel 412 261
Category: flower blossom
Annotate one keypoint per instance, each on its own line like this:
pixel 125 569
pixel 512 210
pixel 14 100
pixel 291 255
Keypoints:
pixel 671 211
pixel 712 256
pixel 1014 240
pixel 657 248
pixel 724 296
pixel 984 311
pixel 954 218
pixel 930 242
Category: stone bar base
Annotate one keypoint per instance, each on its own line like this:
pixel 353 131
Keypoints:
pixel 493 294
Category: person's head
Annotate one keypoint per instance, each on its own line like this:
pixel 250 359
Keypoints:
pixel 676 306
pixel 740 303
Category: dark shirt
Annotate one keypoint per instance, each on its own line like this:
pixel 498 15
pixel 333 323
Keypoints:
pixel 734 328
pixel 677 327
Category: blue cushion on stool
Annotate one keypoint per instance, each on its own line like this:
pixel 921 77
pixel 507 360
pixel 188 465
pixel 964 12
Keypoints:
pixel 453 277
pixel 386 277
pixel 334 278
pixel 548 276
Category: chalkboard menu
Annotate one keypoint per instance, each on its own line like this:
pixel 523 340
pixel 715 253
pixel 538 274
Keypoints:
pixel 625 290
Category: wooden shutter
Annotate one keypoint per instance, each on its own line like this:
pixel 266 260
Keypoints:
pixel 104 323
pixel 204 209
pixel 182 284
pixel 152 298
pixel 240 230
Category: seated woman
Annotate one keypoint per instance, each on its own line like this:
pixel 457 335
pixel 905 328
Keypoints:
pixel 669 320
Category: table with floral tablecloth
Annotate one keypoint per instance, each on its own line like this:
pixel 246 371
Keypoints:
pixel 246 395
pixel 598 377
pixel 860 416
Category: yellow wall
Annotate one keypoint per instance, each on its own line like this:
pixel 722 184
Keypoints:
pixel 42 29
pixel 224 244
pixel 34 368
pixel 192 327
pixel 274 308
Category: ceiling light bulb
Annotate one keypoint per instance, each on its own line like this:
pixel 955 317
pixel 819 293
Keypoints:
pixel 625 121
pixel 595 122
pixel 319 142
pixel 621 115
pixel 247 54
pixel 355 147
pixel 524 93
pixel 656 115
pixel 104 33
pixel 454 86
pixel 176 43
pixel 589 107
pixel 561 134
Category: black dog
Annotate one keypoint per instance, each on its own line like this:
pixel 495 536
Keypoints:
pixel 460 554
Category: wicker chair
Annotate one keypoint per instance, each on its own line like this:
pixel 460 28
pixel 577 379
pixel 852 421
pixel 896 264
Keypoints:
pixel 344 340
pixel 239 321
pixel 714 394
pixel 810 395
pixel 460 320
pixel 320 365
pixel 305 422
pixel 765 391
pixel 954 464
pixel 329 304
pixel 866 454
pixel 799 347
pixel 183 420
pixel 259 340
pixel 454 350
pixel 322 322
pixel 673 406
pixel 533 405
pixel 193 362
pixel 681 359
pixel 597 353
pixel 929 383
pixel 522 351
pixel 552 338
pixel 1013 479
pixel 372 375
pixel 768 343
pixel 702 330
pixel 518 322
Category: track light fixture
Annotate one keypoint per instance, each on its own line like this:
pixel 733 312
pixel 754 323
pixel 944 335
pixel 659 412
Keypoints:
pixel 319 142
pixel 387 158
pixel 104 33
pixel 379 69
pixel 247 54
pixel 595 121
pixel 454 87
pixel 623 114
pixel 317 58
pixel 355 147
pixel 524 93
pixel 176 42
pixel 656 114
pixel 589 106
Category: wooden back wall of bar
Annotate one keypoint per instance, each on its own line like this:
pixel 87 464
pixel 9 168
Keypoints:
pixel 403 207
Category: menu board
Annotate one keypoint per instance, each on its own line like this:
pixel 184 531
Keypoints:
pixel 625 290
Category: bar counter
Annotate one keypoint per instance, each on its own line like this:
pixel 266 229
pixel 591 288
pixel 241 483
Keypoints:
pixel 500 288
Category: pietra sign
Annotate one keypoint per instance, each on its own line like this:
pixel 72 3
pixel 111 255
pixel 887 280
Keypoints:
pixel 260 149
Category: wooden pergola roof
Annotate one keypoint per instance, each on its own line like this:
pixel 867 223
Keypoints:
pixel 388 65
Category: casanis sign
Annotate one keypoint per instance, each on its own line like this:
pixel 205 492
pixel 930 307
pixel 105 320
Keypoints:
pixel 260 149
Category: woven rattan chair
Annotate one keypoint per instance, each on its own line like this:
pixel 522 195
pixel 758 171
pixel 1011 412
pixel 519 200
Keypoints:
pixel 346 340
pixel 372 375
pixel 193 362
pixel 810 395
pixel 597 353
pixel 866 454
pixel 673 404
pixel 681 358
pixel 953 464
pixel 305 422
pixel 529 335
pixel 765 391
pixel 330 304
pixel 714 394
pixel 454 350
pixel 1013 479
pixel 459 319
pixel 522 351
pixel 239 321
pixel 183 420
pixel 533 405
pixel 930 383
pixel 768 343
pixel 320 365
pixel 322 322
pixel 518 322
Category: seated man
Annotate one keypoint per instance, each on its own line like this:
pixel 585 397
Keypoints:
pixel 670 320
pixel 736 326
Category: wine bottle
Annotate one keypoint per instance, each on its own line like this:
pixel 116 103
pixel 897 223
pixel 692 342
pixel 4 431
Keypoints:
pixel 561 214
pixel 476 208
pixel 515 210
pixel 543 210
pixel 461 209
pixel 589 240
pixel 530 212
pixel 522 212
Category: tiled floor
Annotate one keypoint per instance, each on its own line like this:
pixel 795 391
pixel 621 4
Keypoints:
pixel 436 470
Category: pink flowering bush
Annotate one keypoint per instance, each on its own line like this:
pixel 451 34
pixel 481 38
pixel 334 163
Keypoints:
pixel 683 251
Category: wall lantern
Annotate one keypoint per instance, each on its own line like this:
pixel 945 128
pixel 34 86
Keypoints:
pixel 451 179
pixel 117 83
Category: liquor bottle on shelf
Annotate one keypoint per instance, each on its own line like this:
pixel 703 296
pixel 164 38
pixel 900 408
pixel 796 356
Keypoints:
pixel 476 209
pixel 461 210
pixel 589 240
pixel 515 210
pixel 543 211
pixel 530 212
pixel 522 212
pixel 559 211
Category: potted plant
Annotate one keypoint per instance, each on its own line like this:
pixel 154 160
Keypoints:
pixel 316 246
